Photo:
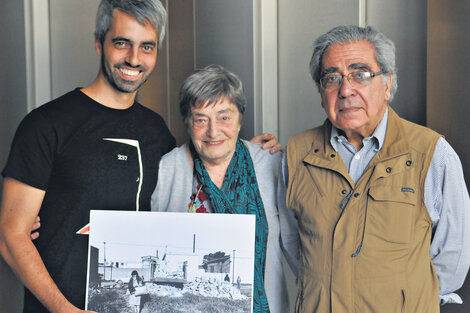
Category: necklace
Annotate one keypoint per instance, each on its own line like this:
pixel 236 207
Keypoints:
pixel 194 198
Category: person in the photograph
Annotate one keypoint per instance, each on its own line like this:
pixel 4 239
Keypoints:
pixel 218 172
pixel 93 148
pixel 134 282
pixel 382 207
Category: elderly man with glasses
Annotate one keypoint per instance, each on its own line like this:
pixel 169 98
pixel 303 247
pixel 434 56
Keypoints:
pixel 381 203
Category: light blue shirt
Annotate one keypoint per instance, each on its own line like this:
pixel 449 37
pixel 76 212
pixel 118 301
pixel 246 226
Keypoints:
pixel 357 161
pixel 446 198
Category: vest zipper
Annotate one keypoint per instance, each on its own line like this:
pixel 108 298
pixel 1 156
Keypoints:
pixel 345 200
pixel 342 205
pixel 359 248
pixel 403 304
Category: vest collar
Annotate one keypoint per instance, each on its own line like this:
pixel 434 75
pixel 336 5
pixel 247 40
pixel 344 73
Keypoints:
pixel 378 136
pixel 322 153
pixel 396 142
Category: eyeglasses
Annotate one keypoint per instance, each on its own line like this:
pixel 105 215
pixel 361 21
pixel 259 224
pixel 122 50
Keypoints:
pixel 356 79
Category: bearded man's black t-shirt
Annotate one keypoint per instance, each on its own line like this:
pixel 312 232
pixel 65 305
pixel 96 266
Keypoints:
pixel 85 156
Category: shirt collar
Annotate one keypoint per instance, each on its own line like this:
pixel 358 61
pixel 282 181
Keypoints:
pixel 378 134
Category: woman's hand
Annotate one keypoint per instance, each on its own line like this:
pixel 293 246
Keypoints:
pixel 268 141
pixel 34 227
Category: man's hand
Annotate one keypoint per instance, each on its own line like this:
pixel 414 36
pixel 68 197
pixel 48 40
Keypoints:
pixel 34 227
pixel 268 141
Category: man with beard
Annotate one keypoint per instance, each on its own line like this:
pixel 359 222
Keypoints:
pixel 92 148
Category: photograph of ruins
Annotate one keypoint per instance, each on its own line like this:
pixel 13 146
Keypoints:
pixel 142 262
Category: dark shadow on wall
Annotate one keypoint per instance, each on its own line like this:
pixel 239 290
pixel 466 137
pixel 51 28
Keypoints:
pixel 463 292
pixel 11 290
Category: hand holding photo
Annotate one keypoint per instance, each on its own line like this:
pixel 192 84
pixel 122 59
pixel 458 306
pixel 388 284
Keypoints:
pixel 170 262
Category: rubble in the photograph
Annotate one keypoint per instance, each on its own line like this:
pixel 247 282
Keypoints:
pixel 206 287
pixel 163 270
pixel 213 288
pixel 164 291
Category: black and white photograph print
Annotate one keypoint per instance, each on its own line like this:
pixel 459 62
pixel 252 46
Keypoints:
pixel 160 262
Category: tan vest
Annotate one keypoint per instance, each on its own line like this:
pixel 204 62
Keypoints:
pixel 365 246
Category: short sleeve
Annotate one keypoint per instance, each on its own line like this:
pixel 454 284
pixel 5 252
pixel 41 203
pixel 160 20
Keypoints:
pixel 32 151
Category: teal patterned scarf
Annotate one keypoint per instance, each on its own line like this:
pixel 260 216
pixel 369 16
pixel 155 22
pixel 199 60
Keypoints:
pixel 240 195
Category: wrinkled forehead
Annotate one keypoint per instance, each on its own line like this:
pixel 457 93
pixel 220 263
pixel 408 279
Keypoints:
pixel 210 102
pixel 349 55
pixel 221 103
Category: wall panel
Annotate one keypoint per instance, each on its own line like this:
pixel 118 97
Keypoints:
pixel 405 23
pixel 448 106
pixel 224 35
pixel 300 23
pixel 74 62
pixel 13 107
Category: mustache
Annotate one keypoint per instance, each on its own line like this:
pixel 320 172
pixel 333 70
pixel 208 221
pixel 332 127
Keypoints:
pixel 137 67
pixel 346 104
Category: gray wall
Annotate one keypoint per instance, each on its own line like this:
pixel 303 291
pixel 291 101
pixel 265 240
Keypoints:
pixel 225 38
pixel 13 107
pixel 74 62
pixel 406 25
pixel 448 108
pixel 12 62
pixel 300 22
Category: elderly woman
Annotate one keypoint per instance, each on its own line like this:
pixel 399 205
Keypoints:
pixel 218 172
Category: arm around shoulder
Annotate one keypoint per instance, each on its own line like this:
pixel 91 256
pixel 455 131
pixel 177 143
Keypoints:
pixel 267 141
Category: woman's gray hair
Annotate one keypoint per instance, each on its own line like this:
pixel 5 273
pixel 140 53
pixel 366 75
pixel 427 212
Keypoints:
pixel 208 86
pixel 384 50
pixel 141 10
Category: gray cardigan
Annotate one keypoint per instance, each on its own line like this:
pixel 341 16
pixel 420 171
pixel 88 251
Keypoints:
pixel 174 188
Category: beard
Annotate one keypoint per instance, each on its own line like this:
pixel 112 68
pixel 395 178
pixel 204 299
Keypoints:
pixel 117 82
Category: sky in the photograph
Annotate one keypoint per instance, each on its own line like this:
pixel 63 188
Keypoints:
pixel 125 236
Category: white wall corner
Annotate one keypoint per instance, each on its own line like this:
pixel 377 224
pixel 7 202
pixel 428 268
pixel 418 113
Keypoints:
pixel 363 13
pixel 265 45
pixel 38 52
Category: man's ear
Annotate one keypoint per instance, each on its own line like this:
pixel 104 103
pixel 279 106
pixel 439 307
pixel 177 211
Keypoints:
pixel 387 87
pixel 320 92
pixel 322 101
pixel 98 47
